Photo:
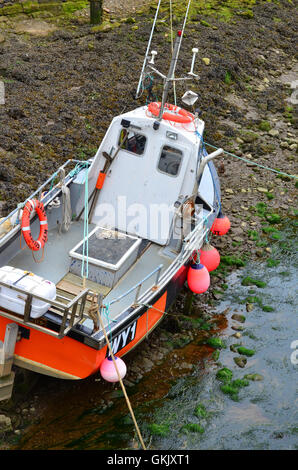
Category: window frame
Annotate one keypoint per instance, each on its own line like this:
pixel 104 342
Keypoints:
pixel 164 172
pixel 129 151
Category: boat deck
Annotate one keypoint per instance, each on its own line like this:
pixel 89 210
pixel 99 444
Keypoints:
pixel 56 263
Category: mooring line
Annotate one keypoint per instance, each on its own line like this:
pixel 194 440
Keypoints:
pixel 254 163
pixel 120 380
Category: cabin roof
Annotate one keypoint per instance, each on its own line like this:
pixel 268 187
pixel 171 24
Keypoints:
pixel 142 117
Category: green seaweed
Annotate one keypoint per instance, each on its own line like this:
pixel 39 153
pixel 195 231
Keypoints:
pixel 192 427
pixel 224 374
pixel 272 263
pixel 248 281
pixel 230 390
pixel 161 430
pixel 231 260
pixel 245 352
pixel 200 411
pixel 267 308
pixel 215 343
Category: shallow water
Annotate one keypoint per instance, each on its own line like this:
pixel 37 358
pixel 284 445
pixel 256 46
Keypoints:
pixel 164 401
pixel 265 417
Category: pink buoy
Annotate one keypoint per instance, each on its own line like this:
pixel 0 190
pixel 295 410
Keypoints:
pixel 209 257
pixel 221 225
pixel 198 278
pixel 108 370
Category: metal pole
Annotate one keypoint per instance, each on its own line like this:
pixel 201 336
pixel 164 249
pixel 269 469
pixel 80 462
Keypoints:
pixel 169 77
pixel 147 51
pixel 172 69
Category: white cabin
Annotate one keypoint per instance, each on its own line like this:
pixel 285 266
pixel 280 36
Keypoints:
pixel 154 168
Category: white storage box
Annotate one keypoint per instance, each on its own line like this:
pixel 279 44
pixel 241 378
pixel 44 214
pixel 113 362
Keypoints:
pixel 110 255
pixel 15 301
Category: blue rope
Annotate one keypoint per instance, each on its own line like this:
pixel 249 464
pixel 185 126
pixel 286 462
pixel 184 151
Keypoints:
pixel 254 163
pixel 106 312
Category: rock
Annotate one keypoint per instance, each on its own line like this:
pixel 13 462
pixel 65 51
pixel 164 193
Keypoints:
pixel 234 347
pixel 249 136
pixel 206 60
pixel 2 208
pixel 229 191
pixel 254 377
pixel 34 27
pixel 147 364
pixel 262 190
pixel 5 424
pixel 16 113
pixel 2 38
pixel 237 327
pixel 240 318
pixel 240 361
pixel 273 132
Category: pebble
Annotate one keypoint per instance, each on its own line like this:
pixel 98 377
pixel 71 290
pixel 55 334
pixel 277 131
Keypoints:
pixel 240 361
pixel 273 132
pixel 240 318
pixel 5 423
pixel 206 60
pixel 262 190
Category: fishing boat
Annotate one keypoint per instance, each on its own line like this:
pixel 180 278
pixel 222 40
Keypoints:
pixel 111 239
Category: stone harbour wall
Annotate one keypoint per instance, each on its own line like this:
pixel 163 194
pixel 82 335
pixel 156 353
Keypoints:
pixel 37 8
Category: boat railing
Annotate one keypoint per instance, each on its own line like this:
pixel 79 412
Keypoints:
pixel 71 312
pixel 51 193
pixel 137 287
pixel 189 244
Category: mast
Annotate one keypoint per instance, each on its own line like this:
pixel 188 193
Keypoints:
pixel 170 77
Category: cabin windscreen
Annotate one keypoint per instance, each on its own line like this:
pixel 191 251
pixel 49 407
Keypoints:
pixel 170 160
pixel 132 141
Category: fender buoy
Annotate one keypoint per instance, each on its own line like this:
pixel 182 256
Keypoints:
pixel 198 278
pixel 177 114
pixel 221 225
pixel 108 370
pixel 34 204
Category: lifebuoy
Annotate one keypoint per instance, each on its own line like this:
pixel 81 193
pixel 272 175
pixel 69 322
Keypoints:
pixel 177 114
pixel 34 204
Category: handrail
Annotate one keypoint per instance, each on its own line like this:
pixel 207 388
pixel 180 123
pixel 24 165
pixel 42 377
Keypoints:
pixel 42 186
pixel 139 284
pixel 63 308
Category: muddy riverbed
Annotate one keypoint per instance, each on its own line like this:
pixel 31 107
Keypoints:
pixel 63 89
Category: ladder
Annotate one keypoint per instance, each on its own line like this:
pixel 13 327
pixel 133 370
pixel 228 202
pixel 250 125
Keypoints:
pixel 6 360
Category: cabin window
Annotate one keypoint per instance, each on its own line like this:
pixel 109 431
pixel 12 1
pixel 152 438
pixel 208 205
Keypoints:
pixel 170 160
pixel 132 141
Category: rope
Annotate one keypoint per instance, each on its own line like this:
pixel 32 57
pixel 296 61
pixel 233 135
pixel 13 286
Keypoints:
pixel 120 380
pixel 66 209
pixel 254 163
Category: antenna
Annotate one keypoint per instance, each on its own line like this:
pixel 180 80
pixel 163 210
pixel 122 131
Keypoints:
pixel 195 51
pixel 170 78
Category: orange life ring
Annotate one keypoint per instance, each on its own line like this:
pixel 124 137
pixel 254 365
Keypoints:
pixel 34 204
pixel 177 114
